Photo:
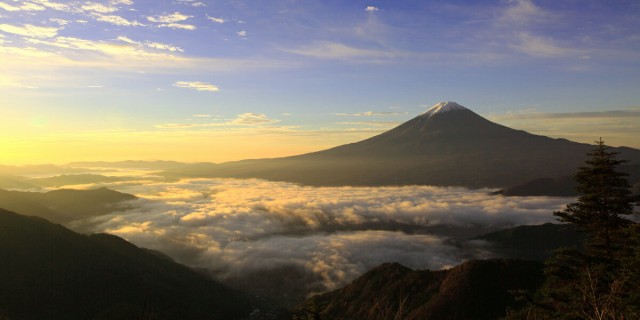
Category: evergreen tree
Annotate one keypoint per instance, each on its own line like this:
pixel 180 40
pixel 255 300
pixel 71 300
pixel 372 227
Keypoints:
pixel 605 200
pixel 600 282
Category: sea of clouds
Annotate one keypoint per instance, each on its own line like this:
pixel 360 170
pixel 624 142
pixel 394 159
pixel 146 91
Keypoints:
pixel 322 236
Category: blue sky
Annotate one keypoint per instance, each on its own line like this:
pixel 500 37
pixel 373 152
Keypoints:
pixel 126 79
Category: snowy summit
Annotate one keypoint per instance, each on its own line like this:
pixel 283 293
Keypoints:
pixel 443 107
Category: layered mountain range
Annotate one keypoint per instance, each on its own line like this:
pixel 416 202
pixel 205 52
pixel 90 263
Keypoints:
pixel 448 145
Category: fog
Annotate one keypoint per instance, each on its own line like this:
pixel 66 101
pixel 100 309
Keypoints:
pixel 328 236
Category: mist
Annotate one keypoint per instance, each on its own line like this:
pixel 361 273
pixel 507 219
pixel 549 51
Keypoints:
pixel 326 236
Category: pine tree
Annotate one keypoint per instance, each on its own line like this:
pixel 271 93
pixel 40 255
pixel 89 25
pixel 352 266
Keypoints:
pixel 600 282
pixel 605 200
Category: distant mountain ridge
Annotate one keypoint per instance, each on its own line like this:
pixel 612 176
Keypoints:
pixel 449 145
pixel 65 205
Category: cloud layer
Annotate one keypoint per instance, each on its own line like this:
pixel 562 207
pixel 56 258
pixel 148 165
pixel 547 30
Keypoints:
pixel 331 235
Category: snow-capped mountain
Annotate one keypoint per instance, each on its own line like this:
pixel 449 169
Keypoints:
pixel 448 145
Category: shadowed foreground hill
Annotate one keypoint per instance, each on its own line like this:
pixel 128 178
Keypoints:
pixel 64 205
pixel 475 290
pixel 50 272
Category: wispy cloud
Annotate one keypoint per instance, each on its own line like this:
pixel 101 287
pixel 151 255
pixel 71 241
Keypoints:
pixel 340 51
pixel 617 127
pixel 169 18
pixel 533 114
pixel 384 124
pixel 541 47
pixel 245 119
pixel 30 30
pixel 193 3
pixel 150 44
pixel 172 21
pixel 216 20
pixel 117 20
pixel 98 7
pixel 522 12
pixel 24 6
pixel 371 9
pixel 196 85
pixel 53 5
pixel 252 119
pixel 371 114
pixel 242 33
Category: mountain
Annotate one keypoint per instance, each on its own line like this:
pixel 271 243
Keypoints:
pixel 50 272
pixel 533 242
pixel 75 179
pixel 128 164
pixel 448 145
pixel 475 290
pixel 65 205
pixel 15 182
pixel 550 187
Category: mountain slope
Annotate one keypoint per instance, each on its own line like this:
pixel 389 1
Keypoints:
pixel 64 205
pixel 473 290
pixel 50 272
pixel 447 145
pixel 537 242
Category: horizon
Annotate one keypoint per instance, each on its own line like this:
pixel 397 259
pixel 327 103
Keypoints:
pixel 125 159
pixel 202 81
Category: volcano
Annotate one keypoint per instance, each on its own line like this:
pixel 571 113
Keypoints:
pixel 448 145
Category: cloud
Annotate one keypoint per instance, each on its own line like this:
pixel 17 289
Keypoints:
pixel 25 6
pixel 177 26
pixel 216 20
pixel 30 30
pixel 384 124
pixel 339 51
pixel 192 3
pixel 371 114
pixel 332 234
pixel 244 119
pixel 61 22
pixel 617 127
pixel 117 20
pixel 196 85
pixel 242 33
pixel 171 21
pixel 150 44
pixel 371 9
pixel 98 7
pixel 169 18
pixel 541 47
pixel 533 114
pixel 252 119
pixel 522 12
pixel 53 5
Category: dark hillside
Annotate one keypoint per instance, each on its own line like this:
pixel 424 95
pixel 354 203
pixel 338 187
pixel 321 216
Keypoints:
pixel 50 272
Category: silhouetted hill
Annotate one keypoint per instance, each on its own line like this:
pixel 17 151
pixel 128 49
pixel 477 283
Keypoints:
pixel 475 290
pixel 50 272
pixel 71 179
pixel 448 145
pixel 534 242
pixel 129 164
pixel 558 187
pixel 15 182
pixel 64 205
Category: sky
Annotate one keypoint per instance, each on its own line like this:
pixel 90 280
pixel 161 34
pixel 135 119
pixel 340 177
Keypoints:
pixel 217 81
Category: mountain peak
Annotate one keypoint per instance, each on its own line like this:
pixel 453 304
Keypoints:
pixel 443 107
